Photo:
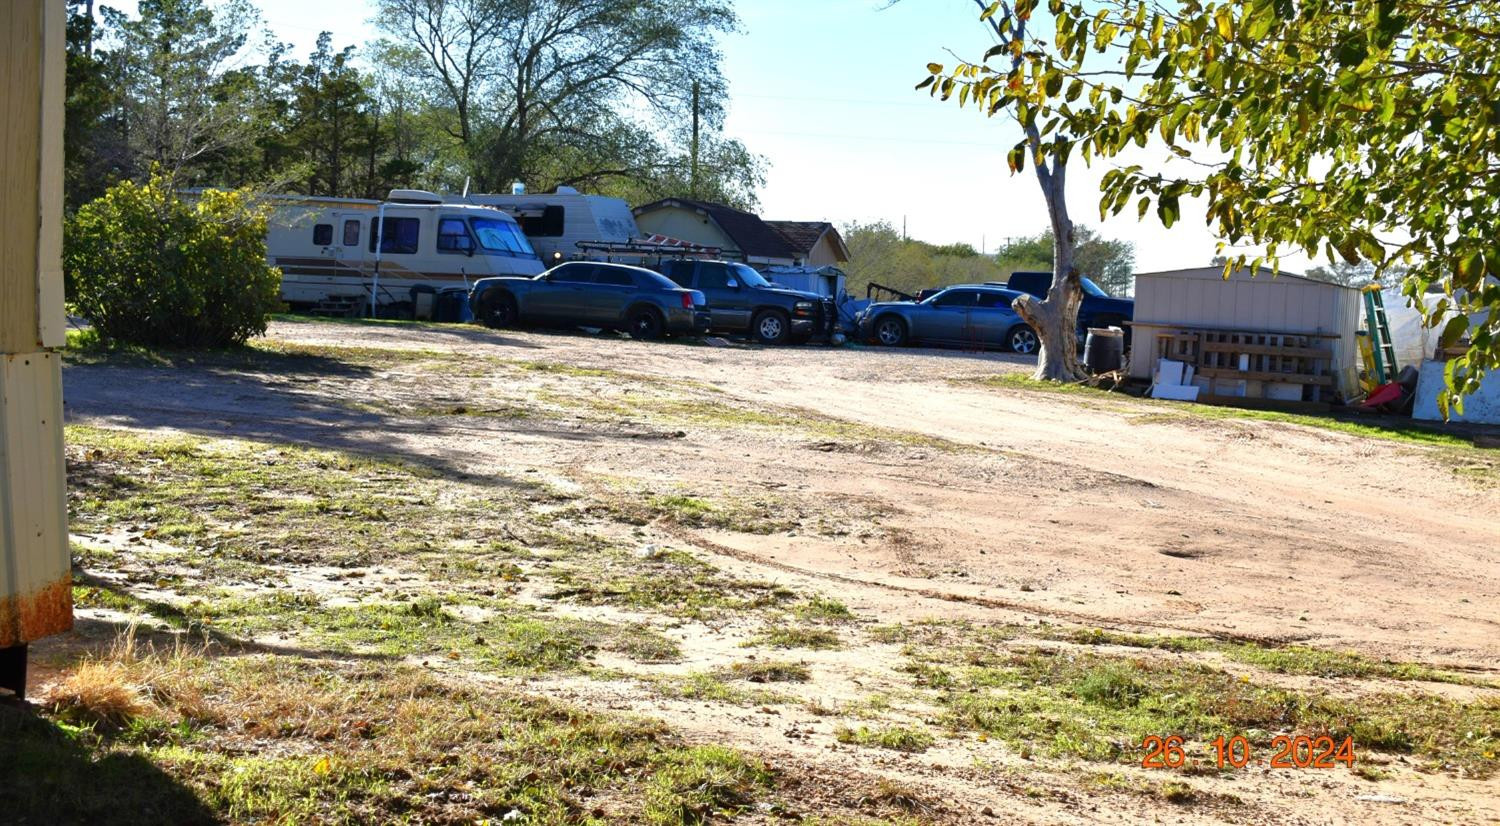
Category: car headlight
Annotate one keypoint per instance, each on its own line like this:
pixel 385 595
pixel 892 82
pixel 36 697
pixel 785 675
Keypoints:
pixel 803 307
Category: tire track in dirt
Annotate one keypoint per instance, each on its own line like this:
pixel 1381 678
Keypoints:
pixel 1095 620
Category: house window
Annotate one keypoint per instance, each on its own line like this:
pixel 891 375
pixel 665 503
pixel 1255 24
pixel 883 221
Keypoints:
pixel 322 235
pixel 351 233
pixel 397 235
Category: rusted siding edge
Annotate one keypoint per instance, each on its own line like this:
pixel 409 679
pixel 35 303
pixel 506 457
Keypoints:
pixel 29 617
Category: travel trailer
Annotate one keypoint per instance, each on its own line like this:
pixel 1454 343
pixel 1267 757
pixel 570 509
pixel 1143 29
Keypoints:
pixel 556 222
pixel 350 256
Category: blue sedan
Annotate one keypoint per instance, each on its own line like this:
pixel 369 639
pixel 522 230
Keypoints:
pixel 967 315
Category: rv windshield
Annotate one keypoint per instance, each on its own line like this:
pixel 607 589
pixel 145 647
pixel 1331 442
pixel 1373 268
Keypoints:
pixel 502 237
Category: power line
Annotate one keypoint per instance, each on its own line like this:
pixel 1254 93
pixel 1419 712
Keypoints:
pixel 876 138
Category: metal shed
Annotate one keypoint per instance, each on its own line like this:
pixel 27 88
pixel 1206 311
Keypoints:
pixel 1275 322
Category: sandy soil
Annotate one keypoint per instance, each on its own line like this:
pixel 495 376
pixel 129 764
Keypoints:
pixel 1083 509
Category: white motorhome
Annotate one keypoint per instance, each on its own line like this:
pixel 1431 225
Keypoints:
pixel 350 256
pixel 556 222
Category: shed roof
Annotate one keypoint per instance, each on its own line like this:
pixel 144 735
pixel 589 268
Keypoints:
pixel 1216 271
pixel 754 237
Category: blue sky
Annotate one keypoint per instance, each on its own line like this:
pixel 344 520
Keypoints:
pixel 824 90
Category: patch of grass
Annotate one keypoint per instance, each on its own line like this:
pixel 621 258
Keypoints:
pixel 712 686
pixel 1153 411
pixel 1284 659
pixel 702 784
pixel 895 738
pixel 823 609
pixel 770 671
pixel 674 583
pixel 798 637
pixel 761 516
pixel 1175 791
pixel 284 740
pixel 509 638
pixel 557 369
pixel 1101 708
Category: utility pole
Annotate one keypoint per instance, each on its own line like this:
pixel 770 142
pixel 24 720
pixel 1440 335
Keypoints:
pixel 36 597
pixel 697 109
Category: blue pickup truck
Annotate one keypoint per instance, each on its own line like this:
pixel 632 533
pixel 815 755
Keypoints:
pixel 1099 308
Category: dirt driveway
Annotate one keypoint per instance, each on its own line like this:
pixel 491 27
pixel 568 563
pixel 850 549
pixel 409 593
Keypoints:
pixel 912 486
pixel 1084 507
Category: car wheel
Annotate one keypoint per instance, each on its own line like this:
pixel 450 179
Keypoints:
pixel 498 312
pixel 1023 340
pixel 771 327
pixel 646 325
pixel 890 331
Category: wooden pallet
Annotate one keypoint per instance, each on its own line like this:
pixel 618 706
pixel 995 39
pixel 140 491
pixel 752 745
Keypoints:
pixel 1242 355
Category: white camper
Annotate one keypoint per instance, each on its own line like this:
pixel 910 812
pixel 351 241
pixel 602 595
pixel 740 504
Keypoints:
pixel 556 222
pixel 351 256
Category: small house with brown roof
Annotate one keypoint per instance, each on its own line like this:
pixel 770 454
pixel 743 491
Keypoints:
pixel 743 236
pixel 814 243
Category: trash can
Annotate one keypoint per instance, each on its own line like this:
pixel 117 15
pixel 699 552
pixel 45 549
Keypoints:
pixel 424 302
pixel 1104 349
pixel 453 306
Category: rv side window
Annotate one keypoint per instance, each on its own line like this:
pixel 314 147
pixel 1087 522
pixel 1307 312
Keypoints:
pixel 453 236
pixel 547 225
pixel 397 235
pixel 351 233
pixel 322 235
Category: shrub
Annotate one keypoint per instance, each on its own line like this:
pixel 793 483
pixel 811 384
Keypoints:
pixel 145 267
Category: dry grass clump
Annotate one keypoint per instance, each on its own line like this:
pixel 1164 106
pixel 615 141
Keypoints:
pixel 100 694
pixel 127 682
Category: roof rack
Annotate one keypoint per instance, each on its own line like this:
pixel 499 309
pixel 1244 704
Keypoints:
pixel 645 248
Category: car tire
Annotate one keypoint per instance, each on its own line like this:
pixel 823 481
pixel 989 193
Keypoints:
pixel 890 330
pixel 498 311
pixel 1023 340
pixel 771 327
pixel 646 324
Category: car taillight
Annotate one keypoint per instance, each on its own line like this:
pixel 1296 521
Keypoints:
pixel 687 301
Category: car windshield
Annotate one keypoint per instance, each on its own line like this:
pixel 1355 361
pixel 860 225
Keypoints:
pixel 1090 288
pixel 501 236
pixel 748 276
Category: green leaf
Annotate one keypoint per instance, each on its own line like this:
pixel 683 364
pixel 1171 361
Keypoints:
pixel 1454 330
pixel 928 82
pixel 935 68
pixel 1016 159
pixel 1168 210
pixel 1471 266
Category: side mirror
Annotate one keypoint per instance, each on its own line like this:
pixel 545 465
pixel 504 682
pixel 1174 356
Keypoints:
pixel 732 284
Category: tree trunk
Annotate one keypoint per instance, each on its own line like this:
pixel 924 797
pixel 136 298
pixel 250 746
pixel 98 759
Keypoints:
pixel 1055 319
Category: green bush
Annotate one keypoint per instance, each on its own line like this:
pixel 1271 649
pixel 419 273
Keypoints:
pixel 146 267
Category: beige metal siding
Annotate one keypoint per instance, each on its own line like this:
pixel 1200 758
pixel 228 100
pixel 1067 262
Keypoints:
pixel 34 569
